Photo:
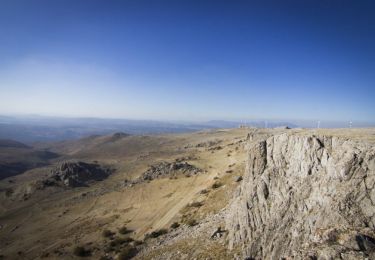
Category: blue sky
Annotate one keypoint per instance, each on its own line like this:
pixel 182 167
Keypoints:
pixel 189 60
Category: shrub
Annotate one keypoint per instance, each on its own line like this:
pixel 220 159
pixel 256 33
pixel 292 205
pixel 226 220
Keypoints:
pixel 175 225
pixel 192 222
pixel 80 251
pixel 196 204
pixel 120 240
pixel 124 230
pixel 127 253
pixel 204 191
pixel 157 233
pixel 137 242
pixel 117 244
pixel 216 185
pixel 107 233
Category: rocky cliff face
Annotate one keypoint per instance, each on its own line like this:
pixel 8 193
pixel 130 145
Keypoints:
pixel 305 196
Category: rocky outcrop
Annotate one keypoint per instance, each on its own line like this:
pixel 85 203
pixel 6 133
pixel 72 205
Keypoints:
pixel 305 196
pixel 75 174
pixel 167 169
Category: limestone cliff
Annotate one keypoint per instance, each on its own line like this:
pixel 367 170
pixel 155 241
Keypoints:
pixel 305 196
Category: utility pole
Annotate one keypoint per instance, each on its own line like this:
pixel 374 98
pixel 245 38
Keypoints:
pixel 318 124
pixel 350 124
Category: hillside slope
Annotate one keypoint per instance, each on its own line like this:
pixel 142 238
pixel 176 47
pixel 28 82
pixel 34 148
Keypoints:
pixel 223 194
pixel 40 217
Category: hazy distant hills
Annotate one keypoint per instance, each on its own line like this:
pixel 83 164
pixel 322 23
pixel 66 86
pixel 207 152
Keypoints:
pixel 40 129
pixel 29 129
pixel 6 143
pixel 16 158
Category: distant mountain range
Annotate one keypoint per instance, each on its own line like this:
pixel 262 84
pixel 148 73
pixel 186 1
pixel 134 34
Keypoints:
pixel 30 129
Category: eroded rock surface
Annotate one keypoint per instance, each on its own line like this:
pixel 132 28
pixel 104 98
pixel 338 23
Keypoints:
pixel 75 174
pixel 305 196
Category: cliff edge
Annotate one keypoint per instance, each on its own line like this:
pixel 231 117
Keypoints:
pixel 305 197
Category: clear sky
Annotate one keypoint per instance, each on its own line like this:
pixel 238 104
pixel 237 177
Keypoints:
pixel 189 60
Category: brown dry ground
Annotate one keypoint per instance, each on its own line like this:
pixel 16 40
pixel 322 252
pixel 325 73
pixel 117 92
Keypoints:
pixel 52 221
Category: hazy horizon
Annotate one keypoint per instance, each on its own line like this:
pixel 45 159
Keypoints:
pixel 189 61
pixel 294 122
